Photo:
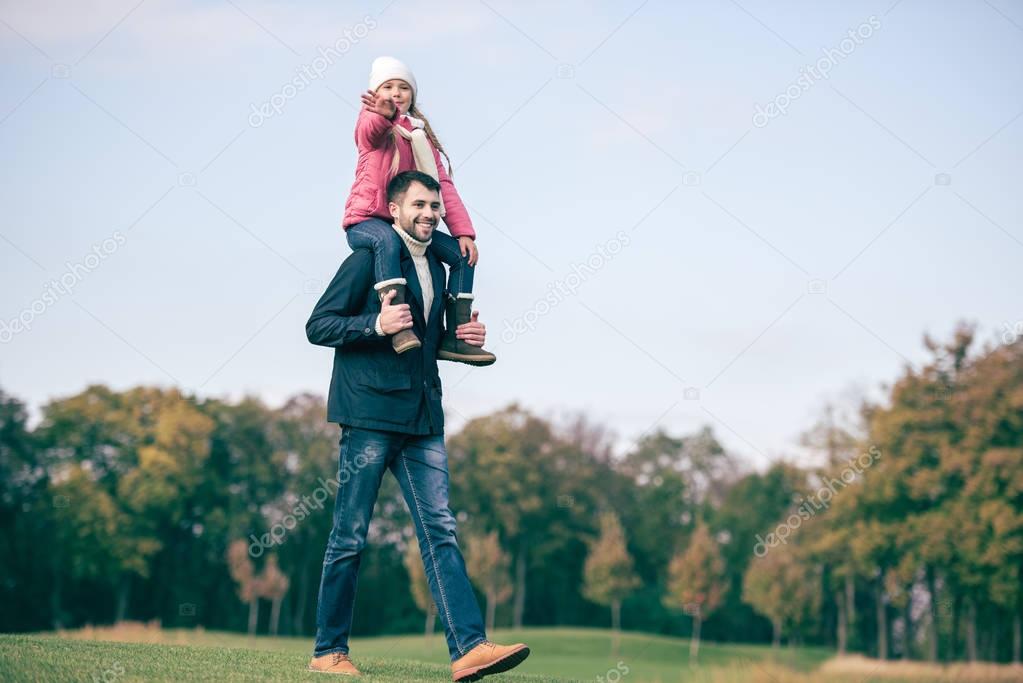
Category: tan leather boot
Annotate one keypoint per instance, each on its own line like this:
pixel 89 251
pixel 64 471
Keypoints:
pixel 406 340
pixel 488 658
pixel 334 663
pixel 459 311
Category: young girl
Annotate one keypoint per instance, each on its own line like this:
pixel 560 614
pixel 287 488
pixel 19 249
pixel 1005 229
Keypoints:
pixel 392 136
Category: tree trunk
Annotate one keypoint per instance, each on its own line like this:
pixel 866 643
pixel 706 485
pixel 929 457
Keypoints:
pixel 253 615
pixel 275 614
pixel 520 584
pixel 881 617
pixel 907 632
pixel 491 610
pixel 55 595
pixel 776 626
pixel 161 578
pixel 957 617
pixel 121 609
pixel 992 636
pixel 431 617
pixel 841 625
pixel 694 641
pixel 1017 637
pixel 971 630
pixel 850 599
pixel 616 625
pixel 298 617
pixel 932 630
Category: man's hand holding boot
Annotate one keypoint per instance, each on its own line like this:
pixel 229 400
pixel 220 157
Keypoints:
pixel 393 319
pixel 473 332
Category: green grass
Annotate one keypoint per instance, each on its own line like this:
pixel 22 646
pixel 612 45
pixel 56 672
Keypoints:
pixel 35 658
pixel 557 655
pixel 138 653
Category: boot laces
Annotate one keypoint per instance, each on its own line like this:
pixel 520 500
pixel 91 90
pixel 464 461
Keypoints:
pixel 340 657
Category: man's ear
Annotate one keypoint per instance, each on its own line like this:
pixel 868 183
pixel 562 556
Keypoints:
pixel 392 208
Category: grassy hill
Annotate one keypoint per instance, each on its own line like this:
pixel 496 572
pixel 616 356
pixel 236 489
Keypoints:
pixel 558 655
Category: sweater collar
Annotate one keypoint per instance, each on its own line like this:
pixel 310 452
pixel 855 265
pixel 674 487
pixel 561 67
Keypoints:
pixel 415 247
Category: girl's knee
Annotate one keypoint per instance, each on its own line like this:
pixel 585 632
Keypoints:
pixel 462 261
pixel 375 233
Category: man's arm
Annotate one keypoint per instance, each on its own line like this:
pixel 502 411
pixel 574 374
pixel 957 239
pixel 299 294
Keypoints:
pixel 337 318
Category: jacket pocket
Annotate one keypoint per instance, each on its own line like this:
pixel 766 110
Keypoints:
pixel 385 381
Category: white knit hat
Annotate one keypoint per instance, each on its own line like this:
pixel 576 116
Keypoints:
pixel 386 68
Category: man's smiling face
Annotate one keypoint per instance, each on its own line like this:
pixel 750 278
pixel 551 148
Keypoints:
pixel 417 212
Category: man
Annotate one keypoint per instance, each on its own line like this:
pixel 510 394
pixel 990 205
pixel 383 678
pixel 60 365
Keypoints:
pixel 389 409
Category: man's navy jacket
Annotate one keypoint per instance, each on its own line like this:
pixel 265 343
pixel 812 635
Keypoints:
pixel 372 386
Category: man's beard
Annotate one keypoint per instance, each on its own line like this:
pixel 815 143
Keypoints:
pixel 410 229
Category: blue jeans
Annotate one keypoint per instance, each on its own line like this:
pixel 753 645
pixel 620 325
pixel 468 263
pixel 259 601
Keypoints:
pixel 420 464
pixel 379 236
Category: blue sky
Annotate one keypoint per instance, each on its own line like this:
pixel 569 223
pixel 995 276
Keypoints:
pixel 765 265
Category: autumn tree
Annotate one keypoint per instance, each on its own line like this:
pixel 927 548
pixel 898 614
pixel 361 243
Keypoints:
pixel 488 564
pixel 273 585
pixel 243 572
pixel 750 510
pixel 143 451
pixel 696 582
pixel 782 587
pixel 608 574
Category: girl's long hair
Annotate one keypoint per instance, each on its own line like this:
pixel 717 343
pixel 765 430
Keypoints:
pixel 414 111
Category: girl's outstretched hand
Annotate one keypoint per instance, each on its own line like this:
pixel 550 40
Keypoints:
pixel 380 104
pixel 468 247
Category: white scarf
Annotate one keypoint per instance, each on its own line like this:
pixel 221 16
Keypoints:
pixel 422 151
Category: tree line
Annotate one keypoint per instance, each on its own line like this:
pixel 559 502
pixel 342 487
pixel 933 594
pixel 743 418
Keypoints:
pixel 903 537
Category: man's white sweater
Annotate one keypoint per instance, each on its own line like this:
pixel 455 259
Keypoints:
pixel 418 251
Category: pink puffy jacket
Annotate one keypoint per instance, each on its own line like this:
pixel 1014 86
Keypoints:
pixel 368 197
